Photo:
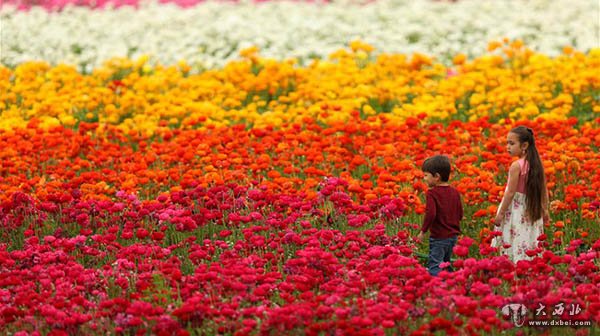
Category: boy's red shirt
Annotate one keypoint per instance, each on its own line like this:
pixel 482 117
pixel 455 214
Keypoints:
pixel 443 212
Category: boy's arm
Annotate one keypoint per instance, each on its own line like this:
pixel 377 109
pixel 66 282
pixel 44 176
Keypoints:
pixel 460 207
pixel 430 212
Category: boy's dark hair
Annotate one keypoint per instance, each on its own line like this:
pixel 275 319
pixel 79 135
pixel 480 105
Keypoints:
pixel 438 164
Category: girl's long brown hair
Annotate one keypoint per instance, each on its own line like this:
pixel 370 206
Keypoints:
pixel 536 179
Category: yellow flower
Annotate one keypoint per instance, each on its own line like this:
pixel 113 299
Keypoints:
pixel 136 94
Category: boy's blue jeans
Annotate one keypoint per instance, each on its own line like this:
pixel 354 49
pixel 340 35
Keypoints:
pixel 440 250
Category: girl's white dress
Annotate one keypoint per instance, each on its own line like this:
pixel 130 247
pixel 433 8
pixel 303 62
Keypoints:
pixel 518 233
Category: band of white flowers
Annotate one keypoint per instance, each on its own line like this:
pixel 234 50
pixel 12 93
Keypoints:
pixel 211 34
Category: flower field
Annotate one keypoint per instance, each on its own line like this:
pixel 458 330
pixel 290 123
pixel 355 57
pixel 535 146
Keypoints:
pixel 268 193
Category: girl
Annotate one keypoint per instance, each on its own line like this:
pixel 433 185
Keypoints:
pixel 524 207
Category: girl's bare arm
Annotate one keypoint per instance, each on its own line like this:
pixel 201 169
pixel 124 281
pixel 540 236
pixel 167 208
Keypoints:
pixel 513 182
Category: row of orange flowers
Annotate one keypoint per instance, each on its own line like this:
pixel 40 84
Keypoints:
pixel 378 157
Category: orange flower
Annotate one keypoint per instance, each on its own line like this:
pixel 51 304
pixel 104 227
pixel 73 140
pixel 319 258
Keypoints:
pixel 459 59
pixel 370 196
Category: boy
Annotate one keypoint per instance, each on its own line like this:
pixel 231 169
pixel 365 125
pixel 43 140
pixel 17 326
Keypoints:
pixel 443 213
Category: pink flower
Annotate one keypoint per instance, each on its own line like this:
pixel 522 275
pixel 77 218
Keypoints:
pixel 49 239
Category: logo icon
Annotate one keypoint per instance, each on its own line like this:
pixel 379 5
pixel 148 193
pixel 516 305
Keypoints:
pixel 516 312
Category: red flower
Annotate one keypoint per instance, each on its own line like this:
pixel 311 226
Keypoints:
pixel 460 251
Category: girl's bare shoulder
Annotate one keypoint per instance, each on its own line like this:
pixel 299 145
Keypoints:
pixel 515 166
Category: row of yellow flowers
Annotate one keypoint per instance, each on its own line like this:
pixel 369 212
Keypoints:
pixel 511 81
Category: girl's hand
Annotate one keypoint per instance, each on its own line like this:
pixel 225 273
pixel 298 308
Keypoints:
pixel 498 220
pixel 546 216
